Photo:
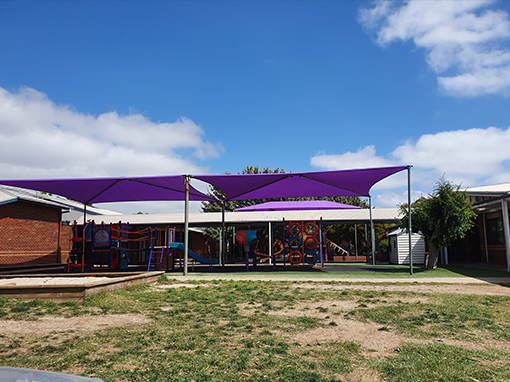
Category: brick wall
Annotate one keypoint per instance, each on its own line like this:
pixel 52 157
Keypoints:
pixel 29 234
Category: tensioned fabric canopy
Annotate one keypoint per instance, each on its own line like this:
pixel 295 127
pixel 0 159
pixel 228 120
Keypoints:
pixel 299 184
pixel 235 186
pixel 102 190
pixel 298 205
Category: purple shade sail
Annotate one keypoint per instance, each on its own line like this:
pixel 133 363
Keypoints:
pixel 235 187
pixel 298 205
pixel 304 184
pixel 102 190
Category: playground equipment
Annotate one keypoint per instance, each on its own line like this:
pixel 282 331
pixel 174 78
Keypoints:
pixel 159 243
pixel 302 244
pixel 247 238
pixel 119 242
pixel 338 249
pixel 76 259
pixel 277 249
pixel 305 242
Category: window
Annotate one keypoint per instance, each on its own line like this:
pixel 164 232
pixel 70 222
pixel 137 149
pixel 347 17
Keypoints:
pixel 495 231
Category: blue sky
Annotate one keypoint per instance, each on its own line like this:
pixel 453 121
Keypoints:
pixel 126 88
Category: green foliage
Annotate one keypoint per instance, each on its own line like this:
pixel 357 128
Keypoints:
pixel 384 246
pixel 442 217
pixel 232 205
pixel 163 278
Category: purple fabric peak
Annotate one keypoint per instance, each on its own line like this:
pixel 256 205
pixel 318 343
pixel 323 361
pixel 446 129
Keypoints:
pixel 300 184
pixel 298 205
pixel 102 190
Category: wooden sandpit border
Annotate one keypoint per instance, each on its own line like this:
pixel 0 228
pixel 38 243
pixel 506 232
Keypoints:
pixel 76 291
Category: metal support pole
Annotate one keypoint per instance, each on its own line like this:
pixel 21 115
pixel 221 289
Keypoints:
pixel 284 254
pixel 222 234
pixel 233 250
pixel 372 231
pixel 356 240
pixel 270 243
pixel 321 237
pixel 186 222
pixel 366 243
pixel 409 228
pixel 506 232
pixel 167 246
pixel 83 243
pixel 485 239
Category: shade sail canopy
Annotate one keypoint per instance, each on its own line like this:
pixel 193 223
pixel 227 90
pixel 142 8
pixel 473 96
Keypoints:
pixel 298 205
pixel 102 190
pixel 299 184
pixel 234 186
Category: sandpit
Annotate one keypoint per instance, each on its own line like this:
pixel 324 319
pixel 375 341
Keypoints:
pixel 62 287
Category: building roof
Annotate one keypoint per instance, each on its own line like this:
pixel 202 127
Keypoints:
pixel 12 194
pixel 298 205
pixel 201 219
pixel 488 198
pixel 493 189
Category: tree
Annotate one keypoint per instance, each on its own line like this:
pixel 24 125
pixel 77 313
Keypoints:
pixel 232 205
pixel 443 217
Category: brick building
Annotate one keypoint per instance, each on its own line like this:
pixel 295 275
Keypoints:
pixel 35 227
pixel 31 232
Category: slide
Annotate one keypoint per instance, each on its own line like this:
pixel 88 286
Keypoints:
pixel 193 255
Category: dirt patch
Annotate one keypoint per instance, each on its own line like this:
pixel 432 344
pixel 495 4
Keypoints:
pixel 322 309
pixel 363 375
pixel 177 285
pixel 49 324
pixel 489 289
pixel 374 342
pixel 41 281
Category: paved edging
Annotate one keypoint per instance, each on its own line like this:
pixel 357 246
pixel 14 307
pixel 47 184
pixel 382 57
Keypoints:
pixel 432 280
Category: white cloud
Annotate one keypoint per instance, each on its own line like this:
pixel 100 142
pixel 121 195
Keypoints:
pixel 39 139
pixel 364 157
pixel 461 37
pixel 393 199
pixel 467 156
pixel 471 157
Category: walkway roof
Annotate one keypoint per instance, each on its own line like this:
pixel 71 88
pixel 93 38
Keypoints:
pixel 298 205
pixel 202 219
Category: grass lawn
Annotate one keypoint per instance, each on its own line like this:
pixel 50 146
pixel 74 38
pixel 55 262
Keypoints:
pixel 240 330
pixel 356 271
pixel 403 271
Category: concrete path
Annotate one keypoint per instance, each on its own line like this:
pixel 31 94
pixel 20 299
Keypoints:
pixel 317 278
